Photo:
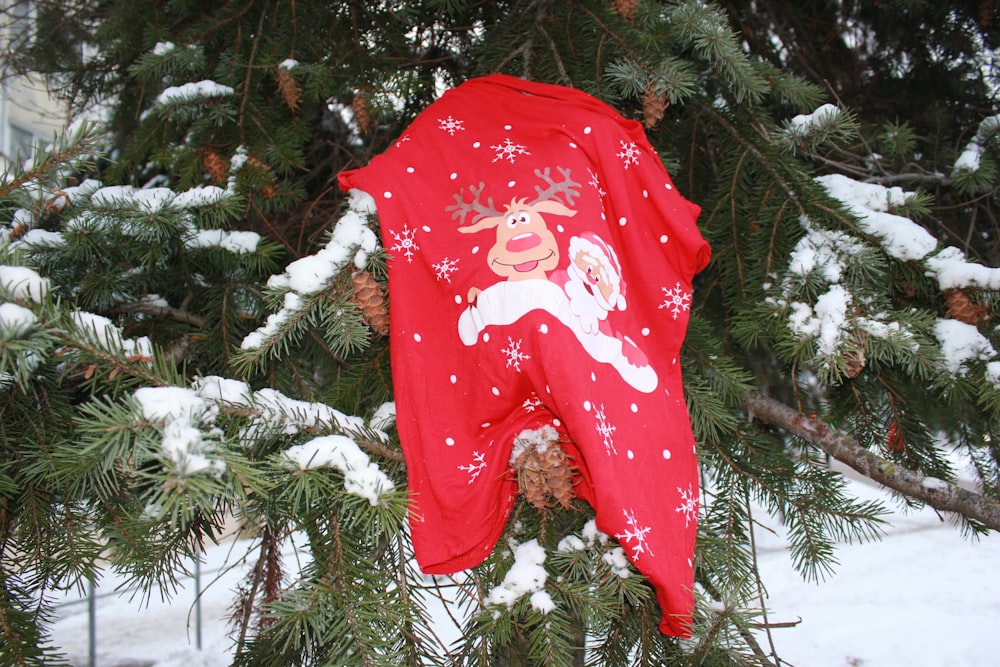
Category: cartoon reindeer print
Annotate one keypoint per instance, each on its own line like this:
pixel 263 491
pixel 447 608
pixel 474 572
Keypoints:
pixel 524 254
pixel 525 247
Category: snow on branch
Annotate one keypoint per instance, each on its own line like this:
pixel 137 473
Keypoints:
pixel 828 255
pixel 351 241
pixel 22 283
pixel 192 92
pixel 362 477
pixel 106 335
pixel 938 493
pixel 526 576
pixel 901 238
pixel 971 156
pixel 188 415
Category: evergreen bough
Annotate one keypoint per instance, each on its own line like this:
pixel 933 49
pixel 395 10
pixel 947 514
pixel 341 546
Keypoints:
pixel 163 374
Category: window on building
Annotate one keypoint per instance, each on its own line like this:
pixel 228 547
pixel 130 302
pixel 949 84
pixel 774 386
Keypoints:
pixel 21 16
pixel 22 143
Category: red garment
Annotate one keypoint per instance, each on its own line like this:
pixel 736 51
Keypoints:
pixel 541 275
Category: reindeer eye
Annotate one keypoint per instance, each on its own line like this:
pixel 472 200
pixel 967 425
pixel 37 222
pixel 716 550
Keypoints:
pixel 523 217
pixel 512 221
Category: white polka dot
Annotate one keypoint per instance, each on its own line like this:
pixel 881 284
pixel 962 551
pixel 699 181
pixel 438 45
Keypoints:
pixel 454 379
pixel 666 454
pixel 603 217
pixel 486 425
pixel 458 299
pixel 560 229
pixel 664 238
pixel 387 194
pixel 645 194
pixel 453 176
pixel 634 407
pixel 593 377
pixel 410 170
pixel 511 184
pixel 475 249
pixel 556 422
pixel 572 145
pixel 630 454
pixel 416 337
pixel 450 442
pixel 426 228
pixel 486 338
pixel 543 328
pixel 476 144
pixel 622 221
pixel 506 127
pixel 668 186
pixel 496 391
pixel 645 331
pixel 586 406
pixel 547 390
pixel 587 130
pixel 674 361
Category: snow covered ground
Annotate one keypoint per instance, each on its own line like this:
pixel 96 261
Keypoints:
pixel 922 596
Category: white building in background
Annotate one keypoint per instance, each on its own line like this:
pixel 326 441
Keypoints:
pixel 29 116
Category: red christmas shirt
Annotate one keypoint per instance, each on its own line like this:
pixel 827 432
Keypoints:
pixel 541 276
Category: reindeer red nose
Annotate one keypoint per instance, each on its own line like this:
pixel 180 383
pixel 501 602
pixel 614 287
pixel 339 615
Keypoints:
pixel 522 242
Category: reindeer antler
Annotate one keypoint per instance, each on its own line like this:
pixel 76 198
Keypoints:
pixel 566 187
pixel 463 208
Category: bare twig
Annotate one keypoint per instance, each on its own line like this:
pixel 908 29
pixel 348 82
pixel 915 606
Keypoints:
pixel 939 494
pixel 176 314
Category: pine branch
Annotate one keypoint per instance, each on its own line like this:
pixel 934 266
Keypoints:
pixel 176 314
pixel 939 494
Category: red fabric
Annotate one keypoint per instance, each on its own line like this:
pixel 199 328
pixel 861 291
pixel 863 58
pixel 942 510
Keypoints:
pixel 497 326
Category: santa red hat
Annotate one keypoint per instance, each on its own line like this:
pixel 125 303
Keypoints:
pixel 592 244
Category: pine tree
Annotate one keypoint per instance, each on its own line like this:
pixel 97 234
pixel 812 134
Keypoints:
pixel 165 366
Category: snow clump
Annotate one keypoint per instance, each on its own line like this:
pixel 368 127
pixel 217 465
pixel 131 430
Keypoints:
pixel 526 576
pixel 361 477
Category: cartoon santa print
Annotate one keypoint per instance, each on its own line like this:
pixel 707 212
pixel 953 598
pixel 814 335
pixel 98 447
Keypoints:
pixel 594 286
pixel 525 252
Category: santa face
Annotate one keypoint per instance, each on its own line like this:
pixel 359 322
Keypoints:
pixel 593 271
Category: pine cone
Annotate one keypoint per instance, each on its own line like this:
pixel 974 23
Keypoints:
pixel 217 168
pixel 288 86
pixel 544 475
pixel 653 106
pixel 985 13
pixel 855 357
pixel 625 8
pixel 268 191
pixel 362 111
pixel 367 293
pixel 961 308
pixel 556 463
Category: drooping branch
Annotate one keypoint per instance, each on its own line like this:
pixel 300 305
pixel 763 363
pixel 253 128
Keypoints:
pixel 939 494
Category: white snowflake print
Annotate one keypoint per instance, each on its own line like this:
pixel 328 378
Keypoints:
pixel 676 299
pixel 606 430
pixel 629 153
pixel 405 242
pixel 595 182
pixel 451 125
pixel 532 404
pixel 635 534
pixel 509 151
pixel 445 268
pixel 477 466
pixel 514 354
pixel 688 506
pixel 402 139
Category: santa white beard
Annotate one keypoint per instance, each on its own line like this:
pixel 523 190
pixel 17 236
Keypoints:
pixel 584 304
